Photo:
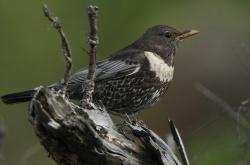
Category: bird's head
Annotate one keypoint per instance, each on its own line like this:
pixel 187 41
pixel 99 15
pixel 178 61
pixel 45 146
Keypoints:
pixel 167 35
pixel 164 39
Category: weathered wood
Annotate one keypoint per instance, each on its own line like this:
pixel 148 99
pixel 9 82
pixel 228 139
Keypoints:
pixel 76 136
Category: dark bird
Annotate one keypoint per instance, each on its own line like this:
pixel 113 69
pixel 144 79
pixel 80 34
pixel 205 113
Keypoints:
pixel 130 79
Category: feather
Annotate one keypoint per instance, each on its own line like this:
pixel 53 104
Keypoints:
pixel 107 69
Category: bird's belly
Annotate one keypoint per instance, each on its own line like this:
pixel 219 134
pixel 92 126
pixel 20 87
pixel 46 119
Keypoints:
pixel 128 95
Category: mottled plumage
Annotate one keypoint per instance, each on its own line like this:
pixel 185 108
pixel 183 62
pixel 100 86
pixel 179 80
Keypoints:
pixel 124 84
pixel 130 79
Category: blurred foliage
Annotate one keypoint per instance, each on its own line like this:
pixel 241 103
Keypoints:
pixel 31 56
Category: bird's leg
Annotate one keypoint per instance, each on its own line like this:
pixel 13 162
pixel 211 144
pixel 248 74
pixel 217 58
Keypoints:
pixel 121 127
pixel 129 118
pixel 137 121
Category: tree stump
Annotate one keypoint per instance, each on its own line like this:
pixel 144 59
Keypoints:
pixel 76 136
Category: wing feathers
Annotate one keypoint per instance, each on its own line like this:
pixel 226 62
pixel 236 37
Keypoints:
pixel 124 63
pixel 107 70
pixel 115 69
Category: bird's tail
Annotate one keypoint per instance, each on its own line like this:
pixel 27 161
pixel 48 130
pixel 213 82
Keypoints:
pixel 18 97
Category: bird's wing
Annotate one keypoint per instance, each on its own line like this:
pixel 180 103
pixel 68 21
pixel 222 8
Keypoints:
pixel 112 68
pixel 116 68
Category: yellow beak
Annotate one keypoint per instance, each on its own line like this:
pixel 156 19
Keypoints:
pixel 186 34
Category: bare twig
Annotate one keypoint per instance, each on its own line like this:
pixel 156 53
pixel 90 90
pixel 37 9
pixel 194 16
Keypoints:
pixel 225 106
pixel 88 86
pixel 179 143
pixel 65 47
pixel 93 40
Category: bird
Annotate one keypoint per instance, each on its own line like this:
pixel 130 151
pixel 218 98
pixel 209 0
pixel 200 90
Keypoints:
pixel 132 78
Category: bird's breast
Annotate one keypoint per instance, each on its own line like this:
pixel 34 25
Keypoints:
pixel 157 65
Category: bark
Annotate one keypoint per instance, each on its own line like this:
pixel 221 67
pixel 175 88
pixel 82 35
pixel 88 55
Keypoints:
pixel 76 136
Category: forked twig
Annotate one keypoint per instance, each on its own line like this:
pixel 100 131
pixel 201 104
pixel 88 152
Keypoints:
pixel 178 141
pixel 65 47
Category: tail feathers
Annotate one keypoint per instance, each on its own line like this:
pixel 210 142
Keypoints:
pixel 18 97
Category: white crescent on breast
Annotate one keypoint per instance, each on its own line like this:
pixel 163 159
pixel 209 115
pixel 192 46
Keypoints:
pixel 162 70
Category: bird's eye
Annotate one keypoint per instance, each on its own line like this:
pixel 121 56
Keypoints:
pixel 168 34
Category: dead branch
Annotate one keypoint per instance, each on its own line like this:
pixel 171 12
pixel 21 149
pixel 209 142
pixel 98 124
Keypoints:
pixel 74 136
pixel 178 141
pixel 89 84
pixel 65 46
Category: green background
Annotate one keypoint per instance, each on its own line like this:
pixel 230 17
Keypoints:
pixel 218 58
